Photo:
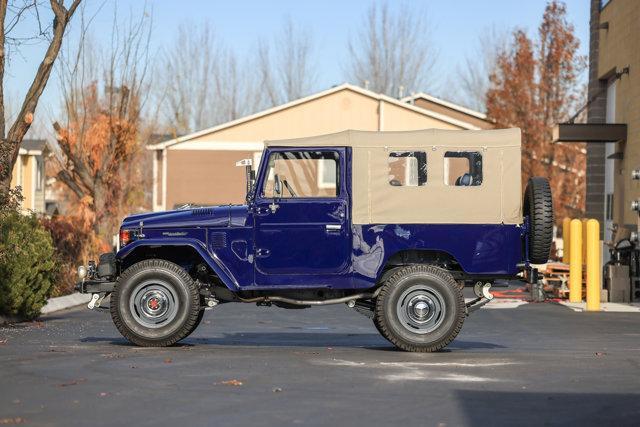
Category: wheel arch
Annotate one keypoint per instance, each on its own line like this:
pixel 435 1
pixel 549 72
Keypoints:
pixel 435 257
pixel 183 252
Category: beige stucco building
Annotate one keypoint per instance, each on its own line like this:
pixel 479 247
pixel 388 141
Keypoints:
pixel 29 174
pixel 199 168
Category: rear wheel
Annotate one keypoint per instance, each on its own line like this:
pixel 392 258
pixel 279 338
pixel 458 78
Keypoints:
pixel 155 304
pixel 420 308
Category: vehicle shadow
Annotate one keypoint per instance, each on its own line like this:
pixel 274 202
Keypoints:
pixel 298 339
pixel 548 408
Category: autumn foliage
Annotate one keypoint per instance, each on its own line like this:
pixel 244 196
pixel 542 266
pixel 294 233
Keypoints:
pixel 535 86
pixel 100 148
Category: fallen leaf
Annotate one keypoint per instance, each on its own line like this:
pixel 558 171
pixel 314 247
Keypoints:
pixel 232 382
pixel 168 360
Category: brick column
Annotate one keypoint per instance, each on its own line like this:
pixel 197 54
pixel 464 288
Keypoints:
pixel 596 113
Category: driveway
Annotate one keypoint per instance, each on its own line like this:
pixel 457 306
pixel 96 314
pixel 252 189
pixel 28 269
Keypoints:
pixel 245 365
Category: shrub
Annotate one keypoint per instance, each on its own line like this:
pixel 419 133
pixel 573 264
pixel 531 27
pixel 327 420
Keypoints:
pixel 73 247
pixel 27 264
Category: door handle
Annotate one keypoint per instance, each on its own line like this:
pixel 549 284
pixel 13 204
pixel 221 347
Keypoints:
pixel 333 227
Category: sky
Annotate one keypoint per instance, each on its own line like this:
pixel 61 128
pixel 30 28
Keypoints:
pixel 454 29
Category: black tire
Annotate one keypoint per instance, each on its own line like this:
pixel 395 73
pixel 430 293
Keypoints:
pixel 422 283
pixel 198 321
pixel 538 206
pixel 149 285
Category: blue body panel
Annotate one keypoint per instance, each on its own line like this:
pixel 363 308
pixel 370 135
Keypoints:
pixel 251 247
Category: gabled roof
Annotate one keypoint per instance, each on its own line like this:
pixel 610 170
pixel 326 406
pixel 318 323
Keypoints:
pixel 444 103
pixel 335 89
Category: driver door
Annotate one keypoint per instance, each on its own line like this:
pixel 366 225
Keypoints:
pixel 302 236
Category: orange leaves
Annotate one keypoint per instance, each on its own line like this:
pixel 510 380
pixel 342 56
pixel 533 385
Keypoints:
pixel 534 86
pixel 99 143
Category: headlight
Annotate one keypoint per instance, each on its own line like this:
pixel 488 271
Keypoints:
pixel 82 272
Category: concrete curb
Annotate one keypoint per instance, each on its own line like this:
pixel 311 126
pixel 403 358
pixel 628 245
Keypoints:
pixel 611 307
pixel 67 301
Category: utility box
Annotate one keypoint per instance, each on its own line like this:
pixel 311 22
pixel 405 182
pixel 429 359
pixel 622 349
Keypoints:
pixel 618 283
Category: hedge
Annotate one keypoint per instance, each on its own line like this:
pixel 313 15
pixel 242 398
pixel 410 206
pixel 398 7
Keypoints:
pixel 27 265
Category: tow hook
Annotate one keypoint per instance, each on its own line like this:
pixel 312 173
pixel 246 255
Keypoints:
pixel 96 300
pixel 483 294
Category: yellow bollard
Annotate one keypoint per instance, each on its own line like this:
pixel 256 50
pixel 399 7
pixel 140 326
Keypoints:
pixel 593 265
pixel 584 240
pixel 566 240
pixel 575 264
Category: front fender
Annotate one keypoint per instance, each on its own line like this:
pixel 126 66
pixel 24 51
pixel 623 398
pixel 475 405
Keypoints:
pixel 210 259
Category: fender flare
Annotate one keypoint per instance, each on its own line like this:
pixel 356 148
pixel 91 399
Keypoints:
pixel 210 259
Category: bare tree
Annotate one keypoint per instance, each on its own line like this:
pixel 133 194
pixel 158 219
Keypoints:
pixel 472 79
pixel 201 82
pixel 392 54
pixel 285 67
pixel 99 158
pixel 11 140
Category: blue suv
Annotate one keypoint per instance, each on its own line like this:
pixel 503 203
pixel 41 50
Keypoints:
pixel 393 224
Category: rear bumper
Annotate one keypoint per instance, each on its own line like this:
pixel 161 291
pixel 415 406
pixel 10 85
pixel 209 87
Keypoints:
pixel 91 286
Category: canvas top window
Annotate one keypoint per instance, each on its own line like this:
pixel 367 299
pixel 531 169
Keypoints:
pixel 302 174
pixel 407 168
pixel 463 168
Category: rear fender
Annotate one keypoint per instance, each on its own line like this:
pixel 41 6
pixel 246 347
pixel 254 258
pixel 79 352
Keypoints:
pixel 210 259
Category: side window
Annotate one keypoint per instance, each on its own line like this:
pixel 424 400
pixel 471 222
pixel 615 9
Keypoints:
pixel 463 168
pixel 303 174
pixel 407 168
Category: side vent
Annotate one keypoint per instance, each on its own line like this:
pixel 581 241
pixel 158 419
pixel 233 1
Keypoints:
pixel 202 211
pixel 218 240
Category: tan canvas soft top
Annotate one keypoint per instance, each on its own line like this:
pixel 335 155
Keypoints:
pixel 375 201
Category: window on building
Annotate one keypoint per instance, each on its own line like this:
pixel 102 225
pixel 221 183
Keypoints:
pixel 303 174
pixel 462 168
pixel 39 173
pixel 407 168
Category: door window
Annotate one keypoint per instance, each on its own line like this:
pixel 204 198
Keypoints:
pixel 302 174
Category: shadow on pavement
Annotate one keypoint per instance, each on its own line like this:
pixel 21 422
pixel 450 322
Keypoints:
pixel 483 408
pixel 298 339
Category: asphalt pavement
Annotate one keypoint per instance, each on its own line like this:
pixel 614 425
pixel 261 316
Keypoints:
pixel 537 364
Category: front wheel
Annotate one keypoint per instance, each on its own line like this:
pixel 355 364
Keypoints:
pixel 420 308
pixel 155 303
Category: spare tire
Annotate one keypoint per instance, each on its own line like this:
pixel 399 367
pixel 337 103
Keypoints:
pixel 538 206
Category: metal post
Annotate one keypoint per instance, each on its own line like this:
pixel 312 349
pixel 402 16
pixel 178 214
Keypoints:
pixel 575 265
pixel 566 240
pixel 593 265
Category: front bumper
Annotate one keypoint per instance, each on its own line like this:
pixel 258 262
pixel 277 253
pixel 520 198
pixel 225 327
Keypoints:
pixel 95 286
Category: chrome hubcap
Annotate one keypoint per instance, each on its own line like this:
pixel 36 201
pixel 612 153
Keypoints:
pixel 421 309
pixel 153 304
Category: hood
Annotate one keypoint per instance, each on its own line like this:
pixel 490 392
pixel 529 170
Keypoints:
pixel 210 216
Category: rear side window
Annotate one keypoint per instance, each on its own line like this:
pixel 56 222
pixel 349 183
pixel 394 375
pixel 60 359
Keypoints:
pixel 407 168
pixel 463 168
